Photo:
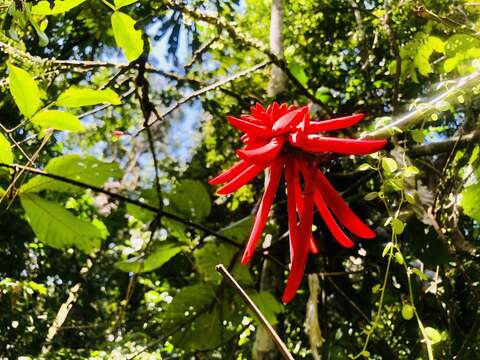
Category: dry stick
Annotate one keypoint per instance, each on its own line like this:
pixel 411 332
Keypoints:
pixel 411 118
pixel 64 310
pixel 203 91
pixel 249 302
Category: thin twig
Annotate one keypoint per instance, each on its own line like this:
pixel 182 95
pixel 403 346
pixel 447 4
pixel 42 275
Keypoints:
pixel 249 302
pixel 204 90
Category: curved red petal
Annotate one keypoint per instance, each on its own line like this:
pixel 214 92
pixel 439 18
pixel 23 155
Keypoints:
pixel 334 124
pixel 248 127
pixel 289 121
pixel 291 207
pixel 331 223
pixel 317 143
pixel 264 208
pixel 263 154
pixel 305 228
pixel 241 179
pixel 230 173
pixel 341 210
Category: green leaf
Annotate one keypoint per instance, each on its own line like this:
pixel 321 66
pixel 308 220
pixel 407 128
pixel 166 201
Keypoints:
pixel 268 305
pixel 61 6
pixel 364 167
pixel 433 334
pixel 389 165
pixel 162 253
pixel 398 226
pixel 194 318
pixel 297 70
pixel 57 227
pixel 417 135
pixel 190 198
pixel 210 255
pixel 58 120
pixel 239 230
pixel 387 248
pixel 126 36
pixel 469 201
pixel 6 153
pixel 371 196
pixel 399 258
pixel 77 97
pixel 24 91
pixel 86 169
pixel 121 3
pixel 410 171
pixel 442 105
pixel 407 311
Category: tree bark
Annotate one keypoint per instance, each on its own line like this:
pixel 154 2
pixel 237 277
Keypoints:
pixel 264 348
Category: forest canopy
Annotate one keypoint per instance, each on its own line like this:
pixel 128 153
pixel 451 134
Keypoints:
pixel 115 116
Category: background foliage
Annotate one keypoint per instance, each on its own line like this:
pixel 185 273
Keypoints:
pixel 112 255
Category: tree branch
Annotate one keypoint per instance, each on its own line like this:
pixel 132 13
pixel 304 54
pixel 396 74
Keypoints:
pixel 445 145
pixel 411 118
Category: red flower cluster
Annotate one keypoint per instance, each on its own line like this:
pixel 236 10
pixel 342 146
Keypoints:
pixel 280 138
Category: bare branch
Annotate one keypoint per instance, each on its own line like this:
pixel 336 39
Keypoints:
pixel 445 145
pixel 249 302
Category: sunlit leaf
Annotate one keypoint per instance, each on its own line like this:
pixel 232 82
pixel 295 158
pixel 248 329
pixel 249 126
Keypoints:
pixel 126 36
pixel 76 97
pixel 60 6
pixel 58 120
pixel 162 253
pixel 57 227
pixel 6 154
pixel 24 91
pixel 86 169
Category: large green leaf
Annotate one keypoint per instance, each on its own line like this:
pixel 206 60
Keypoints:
pixel 194 318
pixel 469 202
pixel 191 199
pixel 268 305
pixel 86 169
pixel 24 91
pixel 159 256
pixel 58 120
pixel 60 6
pixel 57 227
pixel 121 3
pixel 6 154
pixel 76 97
pixel 126 36
pixel 239 230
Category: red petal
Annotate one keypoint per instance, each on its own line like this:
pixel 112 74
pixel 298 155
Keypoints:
pixel 252 119
pixel 247 127
pixel 341 210
pixel 263 154
pixel 317 143
pixel 305 228
pixel 334 124
pixel 241 179
pixel 289 121
pixel 230 173
pixel 291 206
pixel 264 208
pixel 332 225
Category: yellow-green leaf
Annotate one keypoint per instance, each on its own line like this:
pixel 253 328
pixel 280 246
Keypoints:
pixel 121 3
pixel 24 91
pixel 6 154
pixel 389 165
pixel 57 227
pixel 58 120
pixel 126 36
pixel 77 97
pixel 60 6
pixel 433 335
pixel 407 311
